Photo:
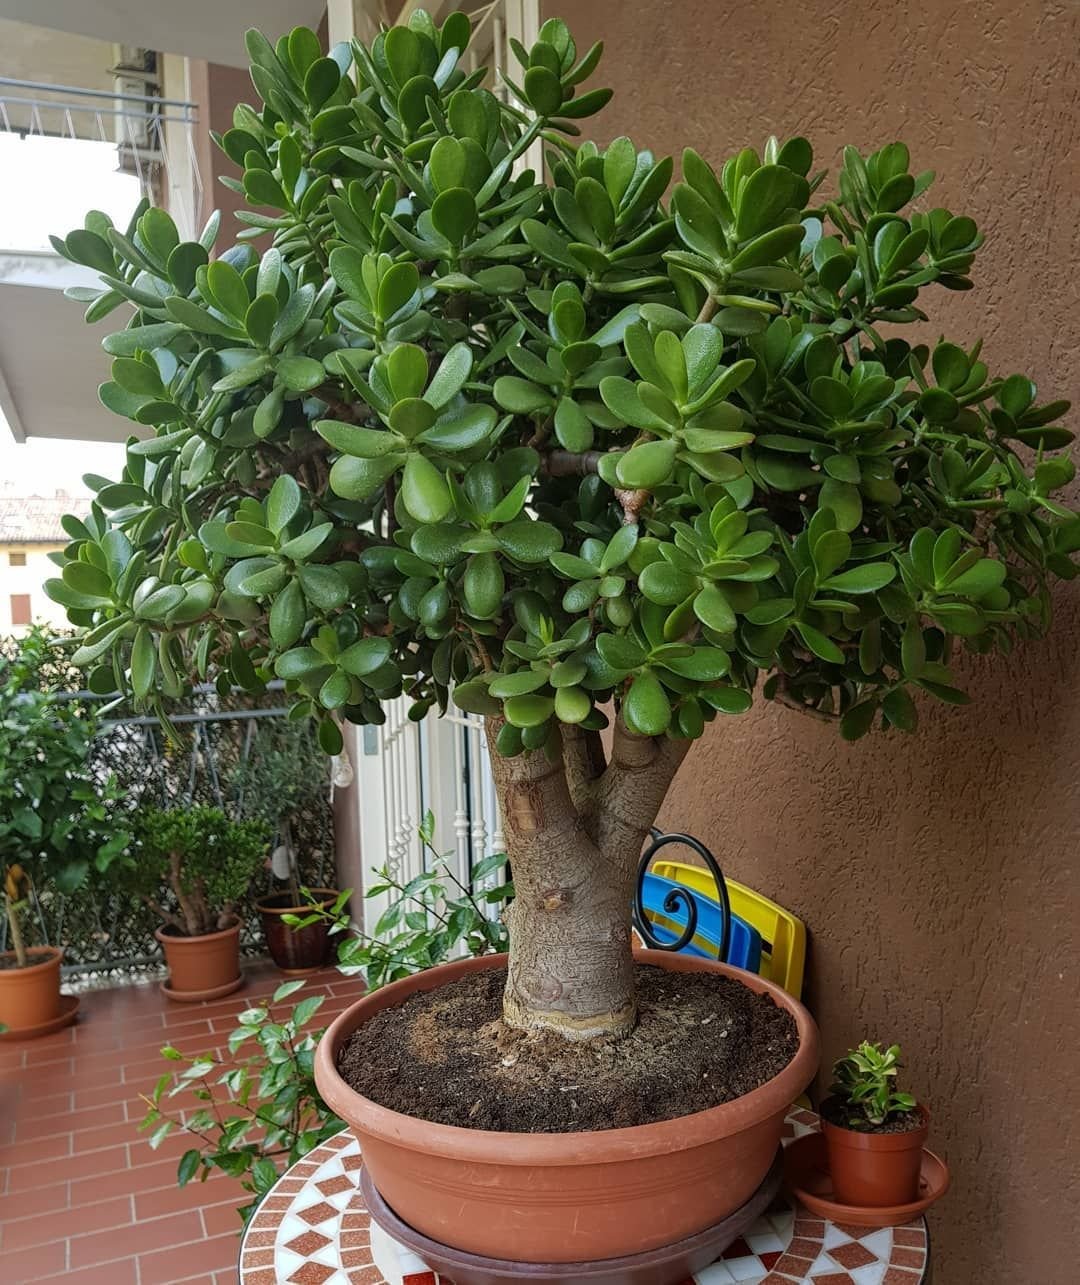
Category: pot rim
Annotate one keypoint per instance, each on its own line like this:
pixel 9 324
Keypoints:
pixel 600 1146
pixel 52 955
pixel 174 939
pixel 327 897
pixel 862 1140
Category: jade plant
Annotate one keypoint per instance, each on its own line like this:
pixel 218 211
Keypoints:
pixel 561 450
pixel 864 1087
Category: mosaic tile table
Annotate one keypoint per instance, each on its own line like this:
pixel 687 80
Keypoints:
pixel 313 1229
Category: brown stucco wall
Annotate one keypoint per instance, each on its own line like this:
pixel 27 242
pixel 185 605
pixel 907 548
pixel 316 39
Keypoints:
pixel 217 89
pixel 937 873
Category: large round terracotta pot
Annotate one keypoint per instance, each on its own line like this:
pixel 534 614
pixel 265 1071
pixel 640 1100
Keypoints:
pixel 296 950
pixel 567 1197
pixel 202 967
pixel 30 996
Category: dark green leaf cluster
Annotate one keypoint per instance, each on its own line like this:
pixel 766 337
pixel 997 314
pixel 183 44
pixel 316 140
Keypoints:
pixel 197 853
pixel 58 821
pixel 258 1108
pixel 536 445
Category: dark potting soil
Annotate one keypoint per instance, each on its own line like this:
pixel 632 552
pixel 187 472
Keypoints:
pixel 445 1055
pixel 833 1111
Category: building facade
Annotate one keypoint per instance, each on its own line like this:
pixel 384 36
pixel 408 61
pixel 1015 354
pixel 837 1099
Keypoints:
pixel 30 531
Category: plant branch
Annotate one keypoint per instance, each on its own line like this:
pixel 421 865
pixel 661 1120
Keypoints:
pixel 585 761
pixel 785 696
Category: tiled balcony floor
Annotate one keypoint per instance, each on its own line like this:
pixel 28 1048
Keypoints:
pixel 83 1199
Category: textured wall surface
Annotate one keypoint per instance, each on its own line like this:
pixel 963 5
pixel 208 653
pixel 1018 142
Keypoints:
pixel 937 873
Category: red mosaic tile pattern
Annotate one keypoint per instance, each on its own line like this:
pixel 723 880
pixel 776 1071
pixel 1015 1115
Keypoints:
pixel 83 1199
pixel 785 1246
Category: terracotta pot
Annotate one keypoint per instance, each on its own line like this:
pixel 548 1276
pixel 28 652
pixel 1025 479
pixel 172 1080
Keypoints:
pixel 30 996
pixel 295 950
pixel 567 1197
pixel 875 1169
pixel 202 967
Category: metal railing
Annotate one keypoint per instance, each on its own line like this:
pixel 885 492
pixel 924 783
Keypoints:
pixel 103 931
pixel 154 137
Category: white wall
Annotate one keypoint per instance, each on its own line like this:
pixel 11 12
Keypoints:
pixel 29 579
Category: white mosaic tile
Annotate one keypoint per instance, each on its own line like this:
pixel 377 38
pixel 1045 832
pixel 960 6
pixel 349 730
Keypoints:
pixel 316 1222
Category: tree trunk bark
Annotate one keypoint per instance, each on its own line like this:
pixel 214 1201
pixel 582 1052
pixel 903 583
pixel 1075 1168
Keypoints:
pixel 574 829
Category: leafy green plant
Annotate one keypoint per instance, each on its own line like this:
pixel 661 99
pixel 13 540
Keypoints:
pixel 58 821
pixel 258 1111
pixel 864 1086
pixel 200 857
pixel 430 919
pixel 280 784
pixel 549 445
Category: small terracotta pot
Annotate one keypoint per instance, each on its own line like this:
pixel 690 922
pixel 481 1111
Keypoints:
pixel 295 950
pixel 30 996
pixel 567 1197
pixel 202 967
pixel 875 1169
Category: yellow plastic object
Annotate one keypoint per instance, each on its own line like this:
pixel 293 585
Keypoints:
pixel 783 937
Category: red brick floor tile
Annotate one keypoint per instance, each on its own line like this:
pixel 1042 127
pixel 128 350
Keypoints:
pixel 222 1218
pixel 115 1181
pixel 121 1272
pixel 73 1164
pixel 198 1259
pixel 28 1266
pixel 38 1152
pixel 37 1125
pixel 138 1238
pixel 38 1201
pixel 21 1233
pixel 169 1198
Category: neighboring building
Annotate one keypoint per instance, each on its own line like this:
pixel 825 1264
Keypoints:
pixel 29 531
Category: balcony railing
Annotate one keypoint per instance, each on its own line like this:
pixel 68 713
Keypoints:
pixel 153 137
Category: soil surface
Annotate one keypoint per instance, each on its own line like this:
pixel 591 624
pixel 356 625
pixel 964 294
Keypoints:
pixel 834 1111
pixel 445 1055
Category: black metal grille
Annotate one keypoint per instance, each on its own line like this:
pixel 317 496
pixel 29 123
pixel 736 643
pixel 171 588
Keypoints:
pixel 216 759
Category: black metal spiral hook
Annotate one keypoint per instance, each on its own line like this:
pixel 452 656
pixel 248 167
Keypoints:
pixel 681 898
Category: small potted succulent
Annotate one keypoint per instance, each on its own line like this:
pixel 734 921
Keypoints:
pixel 57 822
pixel 874 1134
pixel 191 866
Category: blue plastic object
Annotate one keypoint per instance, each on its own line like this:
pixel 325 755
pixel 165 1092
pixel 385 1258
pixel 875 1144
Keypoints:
pixel 744 949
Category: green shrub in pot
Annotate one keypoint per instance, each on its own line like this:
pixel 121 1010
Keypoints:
pixel 191 866
pixel 60 823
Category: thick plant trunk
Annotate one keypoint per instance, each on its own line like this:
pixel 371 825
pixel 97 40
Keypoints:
pixel 574 830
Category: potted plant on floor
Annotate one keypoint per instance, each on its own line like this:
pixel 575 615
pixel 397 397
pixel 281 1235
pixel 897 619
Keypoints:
pixel 284 782
pixel 546 448
pixel 191 866
pixel 874 1133
pixel 57 822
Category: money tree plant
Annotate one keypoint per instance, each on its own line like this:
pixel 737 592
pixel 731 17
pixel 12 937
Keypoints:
pixel 564 450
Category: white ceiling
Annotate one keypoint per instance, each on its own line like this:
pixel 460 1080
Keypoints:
pixel 51 363
pixel 198 28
